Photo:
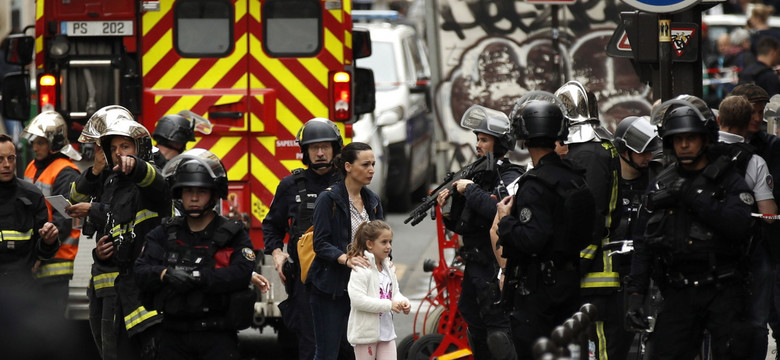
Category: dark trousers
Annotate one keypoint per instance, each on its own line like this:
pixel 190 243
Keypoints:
pixel 54 296
pixel 101 322
pixel 613 341
pixel 296 313
pixel 330 315
pixel 688 311
pixel 478 304
pixel 192 345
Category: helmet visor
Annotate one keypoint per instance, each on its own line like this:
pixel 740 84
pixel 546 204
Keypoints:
pixel 772 108
pixel 641 137
pixel 200 124
pixel 536 95
pixel 478 117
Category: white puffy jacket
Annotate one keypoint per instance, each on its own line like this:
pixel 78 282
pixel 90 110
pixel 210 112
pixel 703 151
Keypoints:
pixel 363 288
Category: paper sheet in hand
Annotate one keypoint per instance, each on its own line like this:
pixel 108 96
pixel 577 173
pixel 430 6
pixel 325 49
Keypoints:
pixel 59 203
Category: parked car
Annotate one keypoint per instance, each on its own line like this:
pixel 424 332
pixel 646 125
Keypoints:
pixel 400 130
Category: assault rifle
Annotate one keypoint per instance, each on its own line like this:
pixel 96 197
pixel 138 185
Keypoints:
pixel 484 163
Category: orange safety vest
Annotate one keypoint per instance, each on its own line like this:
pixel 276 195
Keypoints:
pixel 62 262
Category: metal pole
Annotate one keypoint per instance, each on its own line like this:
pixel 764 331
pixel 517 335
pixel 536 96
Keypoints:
pixel 665 56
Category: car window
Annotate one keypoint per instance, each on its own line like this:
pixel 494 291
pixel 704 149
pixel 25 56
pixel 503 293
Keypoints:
pixel 412 58
pixel 383 62
pixel 292 28
pixel 203 28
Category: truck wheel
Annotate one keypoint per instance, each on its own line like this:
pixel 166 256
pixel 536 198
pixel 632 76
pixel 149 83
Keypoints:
pixel 426 345
pixel 404 346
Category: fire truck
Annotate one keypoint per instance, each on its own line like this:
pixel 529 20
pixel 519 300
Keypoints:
pixel 256 69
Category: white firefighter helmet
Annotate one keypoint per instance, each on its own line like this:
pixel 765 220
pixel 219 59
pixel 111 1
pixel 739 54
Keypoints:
pixel 582 112
pixel 51 126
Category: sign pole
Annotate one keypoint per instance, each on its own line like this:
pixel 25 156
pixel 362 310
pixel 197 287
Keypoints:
pixel 665 56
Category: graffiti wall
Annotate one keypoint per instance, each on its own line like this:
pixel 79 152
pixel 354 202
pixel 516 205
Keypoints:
pixel 494 51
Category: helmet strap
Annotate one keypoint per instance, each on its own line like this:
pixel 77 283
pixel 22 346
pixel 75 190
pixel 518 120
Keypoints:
pixel 320 165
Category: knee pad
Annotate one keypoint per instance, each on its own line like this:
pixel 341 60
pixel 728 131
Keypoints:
pixel 501 345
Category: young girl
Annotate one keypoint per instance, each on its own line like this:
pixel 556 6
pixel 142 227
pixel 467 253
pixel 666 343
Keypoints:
pixel 374 293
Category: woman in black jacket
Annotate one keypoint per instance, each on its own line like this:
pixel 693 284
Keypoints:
pixel 337 213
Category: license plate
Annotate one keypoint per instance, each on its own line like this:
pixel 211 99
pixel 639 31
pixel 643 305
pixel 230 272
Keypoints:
pixel 97 28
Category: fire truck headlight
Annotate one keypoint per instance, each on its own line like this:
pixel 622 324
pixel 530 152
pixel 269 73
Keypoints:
pixel 59 47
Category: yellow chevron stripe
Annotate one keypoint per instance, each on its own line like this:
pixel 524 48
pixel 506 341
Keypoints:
pixel 224 145
pixel 263 174
pixel 218 71
pixel 151 18
pixel 259 210
pixel 239 170
pixel 347 44
pixel 294 85
pixel 183 103
pixel 157 51
pixel 174 73
pixel 316 68
pixel 334 46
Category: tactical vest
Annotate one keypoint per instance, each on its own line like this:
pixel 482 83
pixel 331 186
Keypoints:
pixel 61 265
pixel 305 205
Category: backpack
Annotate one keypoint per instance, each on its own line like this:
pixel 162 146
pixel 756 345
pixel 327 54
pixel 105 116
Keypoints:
pixel 305 247
pixel 306 252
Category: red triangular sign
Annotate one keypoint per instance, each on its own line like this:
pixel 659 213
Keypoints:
pixel 623 44
pixel 681 38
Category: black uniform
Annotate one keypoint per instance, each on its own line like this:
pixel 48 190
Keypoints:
pixel 26 331
pixel 290 214
pixel 478 303
pixel 136 204
pixel 541 241
pixel 692 241
pixel 200 323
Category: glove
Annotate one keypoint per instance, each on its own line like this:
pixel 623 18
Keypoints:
pixel 635 315
pixel 180 280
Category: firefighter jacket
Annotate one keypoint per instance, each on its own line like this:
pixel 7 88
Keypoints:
pixel 220 256
pixel 136 204
pixel 53 176
pixel 692 234
pixel 293 207
pixel 332 233
pixel 630 201
pixel 541 238
pixel 22 214
pixel 602 172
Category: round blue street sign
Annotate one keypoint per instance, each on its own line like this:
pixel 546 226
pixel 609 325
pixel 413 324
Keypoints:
pixel 661 6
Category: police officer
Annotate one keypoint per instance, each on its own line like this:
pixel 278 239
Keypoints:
pixel 172 133
pixel 137 198
pixel 636 140
pixel 590 148
pixel 734 117
pixel 488 325
pixel 692 234
pixel 541 229
pixel 52 171
pixel 291 213
pixel 197 266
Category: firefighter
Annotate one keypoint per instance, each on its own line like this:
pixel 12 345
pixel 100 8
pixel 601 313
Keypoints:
pixel 291 214
pixel 541 228
pixel 172 133
pixel 590 148
pixel 52 171
pixel 488 324
pixel 692 234
pixel 137 197
pixel 636 140
pixel 196 267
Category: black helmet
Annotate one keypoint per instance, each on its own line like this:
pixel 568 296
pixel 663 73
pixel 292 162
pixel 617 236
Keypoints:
pixel 197 168
pixel 482 120
pixel 683 115
pixel 318 130
pixel 636 134
pixel 173 128
pixel 539 114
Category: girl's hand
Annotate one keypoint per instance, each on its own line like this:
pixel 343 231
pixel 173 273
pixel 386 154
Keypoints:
pixel 398 306
pixel 406 307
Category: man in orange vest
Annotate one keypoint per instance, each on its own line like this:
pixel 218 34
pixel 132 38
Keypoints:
pixel 52 171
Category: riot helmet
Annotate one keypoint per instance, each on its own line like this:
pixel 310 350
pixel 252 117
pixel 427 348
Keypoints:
pixel 196 168
pixel 679 116
pixel 482 120
pixel 131 129
pixel 636 134
pixel 51 126
pixel 319 130
pixel 98 122
pixel 174 128
pixel 539 114
pixel 581 111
